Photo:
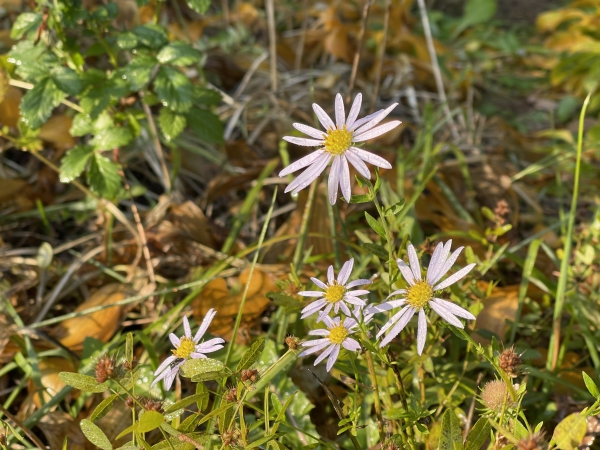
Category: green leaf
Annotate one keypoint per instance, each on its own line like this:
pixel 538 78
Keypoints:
pixel 569 433
pixel 202 404
pixel 95 435
pixel 151 35
pixel 376 250
pixel 178 53
pixel 67 80
pixel 478 434
pixel 216 412
pixel 171 123
pixel 205 125
pixel 110 138
pixel 251 355
pixel 200 6
pixel 186 402
pixel 590 385
pixel 127 40
pixel 174 89
pixel 212 375
pixel 74 162
pixel 103 176
pixel 193 367
pixel 82 382
pixel 375 225
pixel 25 23
pixel 206 97
pixel 263 440
pixel 103 407
pixel 450 434
pixel 476 12
pixel 395 208
pixel 38 103
pixel 149 421
pixel 138 72
pixel 101 91
pixel 82 125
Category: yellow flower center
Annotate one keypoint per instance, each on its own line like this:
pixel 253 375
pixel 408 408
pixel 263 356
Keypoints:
pixel 338 334
pixel 338 140
pixel 185 349
pixel 335 293
pixel 419 295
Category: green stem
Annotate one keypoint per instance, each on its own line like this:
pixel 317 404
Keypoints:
pixel 388 234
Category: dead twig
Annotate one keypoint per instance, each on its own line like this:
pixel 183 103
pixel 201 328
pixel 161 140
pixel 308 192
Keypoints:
pixel 378 69
pixel 361 39
pixel 272 43
pixel 302 40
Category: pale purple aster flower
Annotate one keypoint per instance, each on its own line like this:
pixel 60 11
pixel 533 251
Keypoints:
pixel 421 293
pixel 336 294
pixel 334 337
pixel 336 144
pixel 187 347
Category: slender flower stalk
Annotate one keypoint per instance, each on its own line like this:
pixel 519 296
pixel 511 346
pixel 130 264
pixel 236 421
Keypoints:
pixel 336 294
pixel 337 145
pixel 187 347
pixel 421 293
pixel 334 338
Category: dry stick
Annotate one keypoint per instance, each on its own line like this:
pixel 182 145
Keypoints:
pixel 104 203
pixel 472 408
pixel 437 74
pixel 26 430
pixel 378 69
pixel 361 39
pixel 300 45
pixel 272 44
pixel 159 152
pixel 248 75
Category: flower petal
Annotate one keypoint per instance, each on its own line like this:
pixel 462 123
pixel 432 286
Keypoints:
pixel 354 300
pixel 328 322
pixel 361 122
pixel 171 375
pixel 309 175
pixel 454 309
pixel 199 355
pixel 333 357
pixel 360 282
pixel 415 267
pixel 319 332
pixel 166 363
pixel 323 117
pixel 351 345
pixel 325 354
pixel 311 293
pixel 318 282
pixel 454 277
pixel 303 141
pixel 354 110
pixel 375 120
pixel 314 349
pixel 406 272
pixel 377 131
pixel 330 275
pixel 447 265
pixel 410 311
pixel 174 340
pixel 205 324
pixel 369 157
pixel 186 328
pixel 446 314
pixel 397 303
pixel 345 272
pixel 340 114
pixel 301 163
pixel 358 164
pixel 395 318
pixel 436 263
pixel 334 178
pixel 313 308
pixel 421 331
pixel 316 341
pixel 344 308
pixel 310 131
pixel 345 180
pixel 398 292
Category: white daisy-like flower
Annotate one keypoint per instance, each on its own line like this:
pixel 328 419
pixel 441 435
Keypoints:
pixel 336 144
pixel 187 347
pixel 335 337
pixel 421 293
pixel 336 294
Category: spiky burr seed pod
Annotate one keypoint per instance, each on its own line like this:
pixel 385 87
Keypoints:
pixel 250 375
pixel 152 405
pixel 231 395
pixel 509 361
pixel 292 342
pixel 534 441
pixel 106 368
pixel 495 394
pixel 130 403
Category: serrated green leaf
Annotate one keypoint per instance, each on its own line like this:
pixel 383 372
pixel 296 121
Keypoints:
pixel 25 23
pixel 67 80
pixel 205 125
pixel 450 434
pixel 186 402
pixel 103 407
pixel 138 72
pixel 151 35
pixel 103 176
pixel 171 123
pixel 193 367
pixel 590 385
pixel 375 225
pixel 478 434
pixel 82 125
pixel 74 162
pixel 82 382
pixel 95 435
pixel 476 12
pixel 110 138
pixel 127 40
pixel 200 6
pixel 251 355
pixel 25 53
pixel 174 89
pixel 569 433
pixel 100 91
pixel 149 421
pixel 206 97
pixel 376 250
pixel 178 53
pixel 38 103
